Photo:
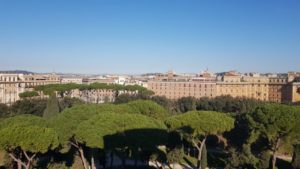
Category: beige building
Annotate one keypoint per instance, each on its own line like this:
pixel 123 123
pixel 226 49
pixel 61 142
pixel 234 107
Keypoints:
pixel 11 85
pixel 260 87
pixel 295 88
pixel 178 89
pixel 76 80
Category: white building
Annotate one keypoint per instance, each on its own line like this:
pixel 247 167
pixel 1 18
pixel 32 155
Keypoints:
pixel 76 80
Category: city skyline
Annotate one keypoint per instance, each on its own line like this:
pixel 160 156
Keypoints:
pixel 135 37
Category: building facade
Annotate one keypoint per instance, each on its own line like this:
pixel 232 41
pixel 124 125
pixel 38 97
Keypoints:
pixel 11 85
pixel 178 89
pixel 277 88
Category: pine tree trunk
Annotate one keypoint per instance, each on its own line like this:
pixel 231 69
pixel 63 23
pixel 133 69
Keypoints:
pixel 28 165
pixel 84 162
pixel 200 153
pixel 93 162
pixel 274 158
pixel 19 165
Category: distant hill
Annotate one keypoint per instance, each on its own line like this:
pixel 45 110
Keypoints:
pixel 16 71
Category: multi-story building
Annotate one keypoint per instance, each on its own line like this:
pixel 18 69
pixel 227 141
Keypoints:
pixel 278 89
pixel 178 89
pixel 257 86
pixel 294 87
pixel 76 80
pixel 273 88
pixel 230 83
pixel 175 86
pixel 11 85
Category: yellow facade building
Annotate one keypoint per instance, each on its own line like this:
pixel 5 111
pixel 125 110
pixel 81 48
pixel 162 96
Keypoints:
pixel 260 87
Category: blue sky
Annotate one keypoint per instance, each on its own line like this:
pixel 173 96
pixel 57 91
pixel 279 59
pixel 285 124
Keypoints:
pixel 138 36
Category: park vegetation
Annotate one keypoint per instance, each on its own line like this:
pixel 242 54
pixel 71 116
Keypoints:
pixel 136 130
pixel 65 89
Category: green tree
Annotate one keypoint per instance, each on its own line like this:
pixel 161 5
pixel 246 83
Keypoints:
pixel 241 159
pixel 127 131
pixel 228 104
pixel 195 126
pixel 204 103
pixel 28 94
pixel 68 102
pixel 174 156
pixel 277 124
pixel 4 110
pixel 65 89
pixel 163 101
pixel 24 137
pixel 186 104
pixel 68 121
pixel 148 108
pixel 124 98
pixel 26 106
pixel 52 108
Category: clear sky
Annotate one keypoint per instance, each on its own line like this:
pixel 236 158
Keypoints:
pixel 138 36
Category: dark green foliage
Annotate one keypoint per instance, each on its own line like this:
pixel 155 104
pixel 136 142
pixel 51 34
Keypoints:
pixel 34 106
pixel 57 166
pixel 228 104
pixel 28 135
pixel 296 157
pixel 186 104
pixel 124 98
pixel 204 158
pixel 204 103
pixel 201 123
pixel 264 160
pixel 148 108
pixel 68 102
pixel 163 101
pixel 63 88
pixel 243 159
pixel 239 135
pixel 26 106
pixel 132 129
pixel 52 108
pixel 22 120
pixel 28 94
pixel 69 119
pixel 275 123
pixel 4 110
pixel 174 156
pixel 195 126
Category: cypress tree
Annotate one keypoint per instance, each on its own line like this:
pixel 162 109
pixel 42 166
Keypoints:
pixel 52 107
